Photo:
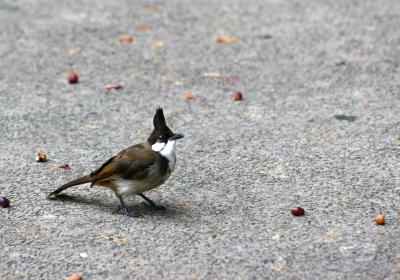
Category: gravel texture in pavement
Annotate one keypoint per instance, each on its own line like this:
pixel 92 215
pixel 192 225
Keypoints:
pixel 317 127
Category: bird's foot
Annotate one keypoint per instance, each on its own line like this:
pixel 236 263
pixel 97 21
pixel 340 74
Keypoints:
pixel 124 211
pixel 152 204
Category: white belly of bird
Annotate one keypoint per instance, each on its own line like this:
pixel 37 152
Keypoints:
pixel 125 187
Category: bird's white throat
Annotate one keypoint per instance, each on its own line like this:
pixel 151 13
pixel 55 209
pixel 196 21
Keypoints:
pixel 167 150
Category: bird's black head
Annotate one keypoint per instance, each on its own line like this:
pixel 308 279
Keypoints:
pixel 161 132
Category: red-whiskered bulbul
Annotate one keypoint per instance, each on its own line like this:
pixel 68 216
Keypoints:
pixel 137 169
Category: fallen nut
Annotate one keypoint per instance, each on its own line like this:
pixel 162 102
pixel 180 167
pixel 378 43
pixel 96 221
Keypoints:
pixel 188 95
pixel 157 45
pixel 4 202
pixel 225 39
pixel 380 219
pixel 297 211
pixel 40 156
pixel 113 86
pixel 75 276
pixel 73 78
pixel 125 39
pixel 237 96
pixel 213 74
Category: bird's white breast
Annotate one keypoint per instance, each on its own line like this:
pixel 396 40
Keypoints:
pixel 169 153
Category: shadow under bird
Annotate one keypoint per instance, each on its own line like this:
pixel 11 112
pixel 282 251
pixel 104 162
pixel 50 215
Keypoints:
pixel 136 169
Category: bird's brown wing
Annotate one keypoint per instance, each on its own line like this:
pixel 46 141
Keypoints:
pixel 132 163
pixel 103 166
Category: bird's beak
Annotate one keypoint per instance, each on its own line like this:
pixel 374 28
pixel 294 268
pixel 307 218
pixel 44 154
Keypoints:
pixel 176 136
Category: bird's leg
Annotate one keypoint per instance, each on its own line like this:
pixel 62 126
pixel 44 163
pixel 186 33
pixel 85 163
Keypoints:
pixel 124 210
pixel 152 204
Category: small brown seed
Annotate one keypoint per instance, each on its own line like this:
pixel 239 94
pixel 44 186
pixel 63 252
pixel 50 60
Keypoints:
pixel 380 219
pixel 125 39
pixel 213 74
pixel 113 86
pixel 297 211
pixel 225 39
pixel 75 276
pixel 40 156
pixel 188 95
pixel 237 96
pixel 158 45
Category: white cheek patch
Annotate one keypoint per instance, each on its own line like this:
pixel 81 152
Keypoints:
pixel 158 146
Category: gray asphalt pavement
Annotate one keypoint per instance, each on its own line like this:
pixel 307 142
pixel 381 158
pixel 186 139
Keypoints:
pixel 242 165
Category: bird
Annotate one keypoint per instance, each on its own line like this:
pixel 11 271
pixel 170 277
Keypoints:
pixel 136 169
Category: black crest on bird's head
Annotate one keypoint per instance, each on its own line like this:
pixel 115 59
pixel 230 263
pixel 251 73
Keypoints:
pixel 160 127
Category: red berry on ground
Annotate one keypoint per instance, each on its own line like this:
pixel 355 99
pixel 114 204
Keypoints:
pixel 297 211
pixel 75 276
pixel 4 202
pixel 73 78
pixel 237 96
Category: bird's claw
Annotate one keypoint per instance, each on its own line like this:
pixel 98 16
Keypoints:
pixel 128 213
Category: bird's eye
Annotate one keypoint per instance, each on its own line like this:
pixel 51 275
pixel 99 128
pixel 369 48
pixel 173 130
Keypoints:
pixel 161 138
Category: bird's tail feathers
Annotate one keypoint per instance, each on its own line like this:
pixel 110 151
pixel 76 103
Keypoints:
pixel 79 181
